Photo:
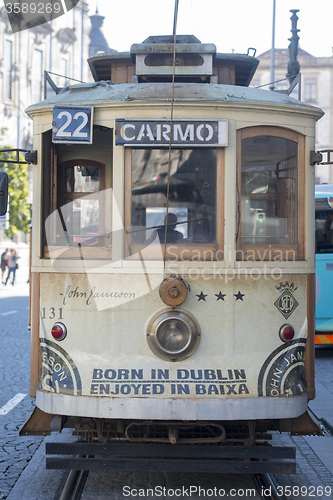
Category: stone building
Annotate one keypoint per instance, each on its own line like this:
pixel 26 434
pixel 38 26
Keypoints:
pixel 60 46
pixel 316 89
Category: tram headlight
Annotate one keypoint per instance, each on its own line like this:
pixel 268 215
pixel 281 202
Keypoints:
pixel 173 335
pixel 286 333
pixel 59 331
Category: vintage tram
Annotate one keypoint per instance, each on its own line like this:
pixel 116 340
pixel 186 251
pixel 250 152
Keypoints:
pixel 172 283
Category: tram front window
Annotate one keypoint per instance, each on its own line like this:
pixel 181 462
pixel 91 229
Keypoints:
pixel 269 186
pixel 191 193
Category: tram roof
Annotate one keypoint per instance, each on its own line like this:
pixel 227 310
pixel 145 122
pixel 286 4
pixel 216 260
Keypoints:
pixel 104 93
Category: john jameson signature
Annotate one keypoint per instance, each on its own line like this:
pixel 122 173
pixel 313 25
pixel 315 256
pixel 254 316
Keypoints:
pixel 76 293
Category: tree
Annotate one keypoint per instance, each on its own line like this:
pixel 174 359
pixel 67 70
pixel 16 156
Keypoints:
pixel 19 208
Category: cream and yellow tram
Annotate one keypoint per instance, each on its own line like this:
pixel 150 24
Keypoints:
pixel 173 251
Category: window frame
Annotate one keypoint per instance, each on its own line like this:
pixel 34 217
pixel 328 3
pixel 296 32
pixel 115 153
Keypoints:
pixel 75 195
pixel 252 252
pixel 37 74
pixel 8 69
pixel 53 174
pixel 321 206
pixel 310 89
pixel 175 251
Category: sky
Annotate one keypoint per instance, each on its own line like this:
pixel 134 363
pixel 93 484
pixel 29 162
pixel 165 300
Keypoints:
pixel 233 25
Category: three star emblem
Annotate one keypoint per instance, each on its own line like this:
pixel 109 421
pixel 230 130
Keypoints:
pixel 220 296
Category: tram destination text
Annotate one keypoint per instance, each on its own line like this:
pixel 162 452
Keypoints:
pixel 182 382
pixel 180 133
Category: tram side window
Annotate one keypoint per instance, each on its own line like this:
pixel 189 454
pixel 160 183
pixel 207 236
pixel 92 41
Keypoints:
pixel 324 231
pixel 192 196
pixel 269 185
pixel 80 205
pixel 76 201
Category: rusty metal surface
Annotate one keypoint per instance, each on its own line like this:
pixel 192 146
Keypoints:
pixel 173 458
pixel 180 432
pixel 167 48
pixel 173 290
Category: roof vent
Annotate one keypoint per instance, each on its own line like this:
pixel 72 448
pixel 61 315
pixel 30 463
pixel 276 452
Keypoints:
pixel 154 58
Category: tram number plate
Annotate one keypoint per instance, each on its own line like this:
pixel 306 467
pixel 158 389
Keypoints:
pixel 73 125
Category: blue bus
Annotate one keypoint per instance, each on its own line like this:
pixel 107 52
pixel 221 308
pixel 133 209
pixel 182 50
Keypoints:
pixel 324 264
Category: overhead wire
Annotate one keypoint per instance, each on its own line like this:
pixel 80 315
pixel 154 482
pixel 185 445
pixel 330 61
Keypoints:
pixel 171 121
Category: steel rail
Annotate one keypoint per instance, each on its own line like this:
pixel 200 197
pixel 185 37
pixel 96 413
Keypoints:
pixel 267 487
pixel 74 485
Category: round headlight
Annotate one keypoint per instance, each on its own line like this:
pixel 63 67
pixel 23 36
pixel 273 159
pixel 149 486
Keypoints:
pixel 173 335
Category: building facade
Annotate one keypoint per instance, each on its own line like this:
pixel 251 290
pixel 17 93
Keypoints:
pixel 316 89
pixel 60 46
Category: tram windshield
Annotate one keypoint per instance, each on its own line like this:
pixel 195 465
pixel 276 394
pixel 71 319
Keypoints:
pixel 191 196
pixel 269 187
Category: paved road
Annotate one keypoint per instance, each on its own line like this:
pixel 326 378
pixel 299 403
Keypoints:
pixel 15 452
pixel 15 404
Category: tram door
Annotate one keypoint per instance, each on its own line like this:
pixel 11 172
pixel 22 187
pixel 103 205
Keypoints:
pixel 77 198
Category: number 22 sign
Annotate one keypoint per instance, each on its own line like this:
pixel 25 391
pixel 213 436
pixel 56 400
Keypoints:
pixel 73 125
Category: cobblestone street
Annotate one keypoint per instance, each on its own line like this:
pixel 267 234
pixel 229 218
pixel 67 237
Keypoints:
pixel 15 452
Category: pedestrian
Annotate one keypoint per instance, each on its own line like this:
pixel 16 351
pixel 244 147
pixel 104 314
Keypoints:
pixel 4 264
pixel 12 266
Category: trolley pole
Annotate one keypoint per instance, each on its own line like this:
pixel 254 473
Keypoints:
pixel 273 51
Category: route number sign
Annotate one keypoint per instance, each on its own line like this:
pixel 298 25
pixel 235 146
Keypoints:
pixel 72 125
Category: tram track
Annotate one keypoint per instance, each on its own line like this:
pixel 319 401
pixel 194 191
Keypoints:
pixel 267 487
pixel 74 485
pixel 265 484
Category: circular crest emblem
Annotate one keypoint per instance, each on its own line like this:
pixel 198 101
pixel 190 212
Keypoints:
pixel 59 372
pixel 283 372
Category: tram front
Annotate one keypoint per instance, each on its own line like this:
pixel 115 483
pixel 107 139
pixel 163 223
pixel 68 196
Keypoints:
pixel 172 261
